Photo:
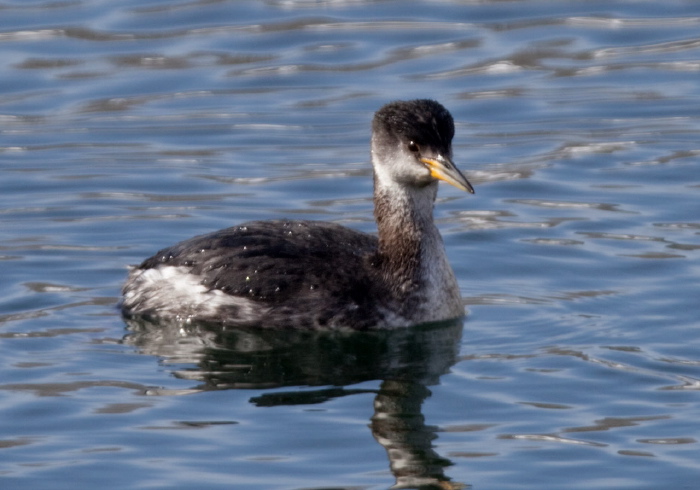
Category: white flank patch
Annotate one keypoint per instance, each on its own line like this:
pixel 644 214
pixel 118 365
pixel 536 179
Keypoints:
pixel 175 292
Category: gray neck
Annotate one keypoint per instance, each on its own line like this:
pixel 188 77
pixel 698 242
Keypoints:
pixel 408 238
pixel 411 257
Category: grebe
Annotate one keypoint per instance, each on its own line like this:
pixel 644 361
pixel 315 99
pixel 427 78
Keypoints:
pixel 312 274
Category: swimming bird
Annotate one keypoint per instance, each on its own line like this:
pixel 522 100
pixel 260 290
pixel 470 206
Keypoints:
pixel 313 274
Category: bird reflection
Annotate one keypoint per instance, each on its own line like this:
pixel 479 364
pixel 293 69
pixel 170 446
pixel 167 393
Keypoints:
pixel 406 361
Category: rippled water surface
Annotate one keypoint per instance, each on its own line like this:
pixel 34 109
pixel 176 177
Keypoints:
pixel 128 126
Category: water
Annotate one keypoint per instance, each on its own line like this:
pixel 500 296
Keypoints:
pixel 128 126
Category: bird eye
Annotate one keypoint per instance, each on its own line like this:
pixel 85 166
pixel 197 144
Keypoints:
pixel 413 147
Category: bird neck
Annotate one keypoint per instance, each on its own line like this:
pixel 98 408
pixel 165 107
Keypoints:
pixel 407 234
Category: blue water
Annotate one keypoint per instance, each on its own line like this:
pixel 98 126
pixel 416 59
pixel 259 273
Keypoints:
pixel 128 126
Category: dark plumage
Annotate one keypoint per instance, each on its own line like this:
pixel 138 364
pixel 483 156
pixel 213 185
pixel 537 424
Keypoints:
pixel 306 274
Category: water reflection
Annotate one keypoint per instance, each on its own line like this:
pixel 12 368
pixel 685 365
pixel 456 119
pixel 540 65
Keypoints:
pixel 406 361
